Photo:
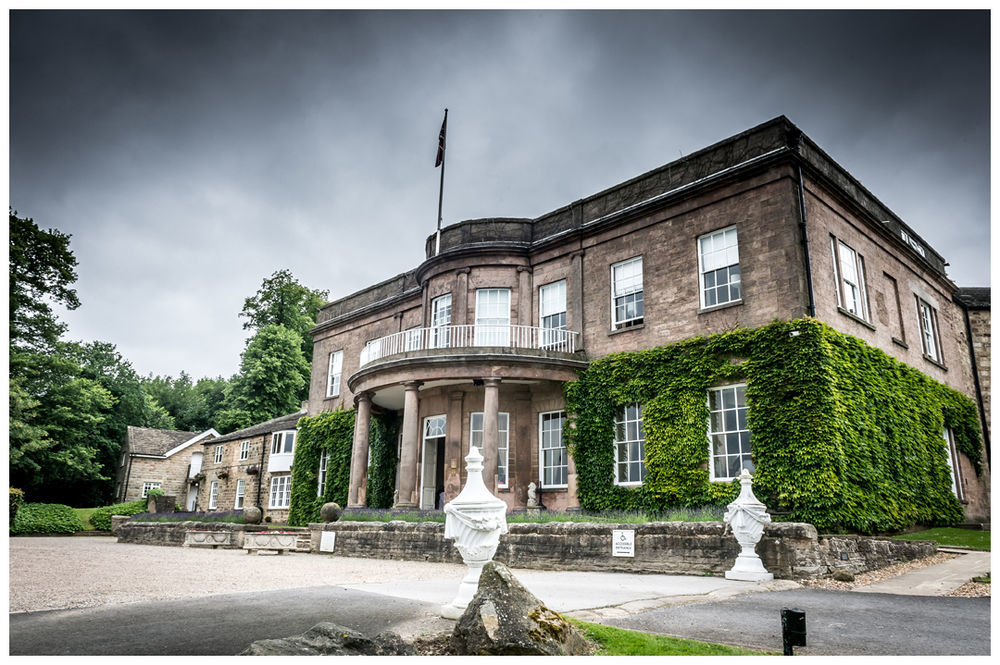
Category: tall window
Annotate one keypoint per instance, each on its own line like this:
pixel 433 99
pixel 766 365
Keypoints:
pixel 281 491
pixel 476 428
pixel 630 446
pixel 552 313
pixel 336 369
pixel 440 320
pixel 241 485
pixel 244 450
pixel 849 274
pixel 492 317
pixel 213 495
pixel 324 460
pixel 149 486
pixel 719 265
pixel 626 293
pixel 283 443
pixel 930 339
pixel 728 435
pixel 218 454
pixel 952 458
pixel 553 462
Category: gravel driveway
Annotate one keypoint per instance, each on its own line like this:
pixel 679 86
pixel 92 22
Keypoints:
pixel 48 573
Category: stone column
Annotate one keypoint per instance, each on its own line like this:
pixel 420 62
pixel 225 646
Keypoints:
pixel 407 497
pixel 572 501
pixel 453 447
pixel 359 451
pixel 491 431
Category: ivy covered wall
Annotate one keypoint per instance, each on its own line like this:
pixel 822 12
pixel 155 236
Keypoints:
pixel 333 431
pixel 843 435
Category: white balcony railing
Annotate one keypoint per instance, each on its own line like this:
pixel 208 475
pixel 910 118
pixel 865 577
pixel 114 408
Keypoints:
pixel 455 337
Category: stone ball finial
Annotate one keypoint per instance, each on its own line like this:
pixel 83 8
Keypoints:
pixel 330 512
pixel 252 515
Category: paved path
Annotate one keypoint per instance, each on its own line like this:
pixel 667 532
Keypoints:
pixel 936 580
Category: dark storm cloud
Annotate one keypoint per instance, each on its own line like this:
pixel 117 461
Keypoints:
pixel 192 154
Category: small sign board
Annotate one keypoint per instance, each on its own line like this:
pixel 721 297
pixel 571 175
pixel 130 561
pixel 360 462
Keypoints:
pixel 623 542
pixel 326 540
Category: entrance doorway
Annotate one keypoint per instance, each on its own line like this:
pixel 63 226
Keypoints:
pixel 432 467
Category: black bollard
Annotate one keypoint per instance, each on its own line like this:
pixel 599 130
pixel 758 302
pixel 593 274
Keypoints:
pixel 793 629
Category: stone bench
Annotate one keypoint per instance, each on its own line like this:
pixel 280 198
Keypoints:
pixel 269 542
pixel 211 539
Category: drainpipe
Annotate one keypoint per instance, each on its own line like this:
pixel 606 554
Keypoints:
pixel 796 140
pixel 975 376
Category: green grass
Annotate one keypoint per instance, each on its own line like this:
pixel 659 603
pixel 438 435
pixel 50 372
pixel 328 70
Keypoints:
pixel 952 537
pixel 619 642
pixel 85 514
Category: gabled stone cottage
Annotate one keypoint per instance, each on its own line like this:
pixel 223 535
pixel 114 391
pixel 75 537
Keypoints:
pixel 251 467
pixel 161 459
pixel 474 345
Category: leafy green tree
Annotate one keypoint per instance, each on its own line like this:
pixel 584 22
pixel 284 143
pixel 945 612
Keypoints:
pixel 193 406
pixel 41 270
pixel 281 300
pixel 270 380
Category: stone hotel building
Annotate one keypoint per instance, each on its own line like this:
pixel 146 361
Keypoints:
pixel 475 344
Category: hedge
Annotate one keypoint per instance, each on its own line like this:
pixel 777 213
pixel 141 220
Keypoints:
pixel 47 518
pixel 331 432
pixel 844 436
pixel 16 501
pixel 100 519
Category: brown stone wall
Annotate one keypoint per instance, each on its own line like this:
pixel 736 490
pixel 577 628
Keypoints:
pixel 260 449
pixel 788 550
pixel 979 321
pixel 890 268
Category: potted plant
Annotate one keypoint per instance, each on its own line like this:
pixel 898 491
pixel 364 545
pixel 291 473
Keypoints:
pixel 197 478
pixel 222 475
pixel 253 470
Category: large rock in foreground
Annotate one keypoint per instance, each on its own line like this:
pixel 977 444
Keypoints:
pixel 329 639
pixel 505 619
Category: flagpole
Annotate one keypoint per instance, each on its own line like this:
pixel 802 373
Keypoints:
pixel 437 247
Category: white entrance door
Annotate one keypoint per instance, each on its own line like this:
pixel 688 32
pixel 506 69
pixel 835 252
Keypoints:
pixel 192 498
pixel 434 430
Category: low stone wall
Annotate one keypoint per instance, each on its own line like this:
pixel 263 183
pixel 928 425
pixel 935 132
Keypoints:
pixel 788 550
pixel 172 533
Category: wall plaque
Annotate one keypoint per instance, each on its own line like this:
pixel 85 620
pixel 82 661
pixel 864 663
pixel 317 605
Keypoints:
pixel 326 540
pixel 623 542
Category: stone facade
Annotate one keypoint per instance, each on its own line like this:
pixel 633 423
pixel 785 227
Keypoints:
pixel 159 458
pixel 239 469
pixel 808 238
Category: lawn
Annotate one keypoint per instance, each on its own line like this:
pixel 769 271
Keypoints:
pixel 85 514
pixel 952 537
pixel 619 642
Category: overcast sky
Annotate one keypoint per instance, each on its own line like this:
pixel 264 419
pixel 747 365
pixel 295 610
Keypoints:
pixel 191 155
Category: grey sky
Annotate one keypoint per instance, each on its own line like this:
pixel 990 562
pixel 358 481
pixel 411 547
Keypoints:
pixel 191 155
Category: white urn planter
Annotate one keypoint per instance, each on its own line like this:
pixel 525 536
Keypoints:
pixel 475 519
pixel 747 517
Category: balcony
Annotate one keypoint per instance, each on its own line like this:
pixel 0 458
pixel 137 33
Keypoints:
pixel 526 338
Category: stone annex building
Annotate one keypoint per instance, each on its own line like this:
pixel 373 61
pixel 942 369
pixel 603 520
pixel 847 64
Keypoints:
pixel 161 459
pixel 475 344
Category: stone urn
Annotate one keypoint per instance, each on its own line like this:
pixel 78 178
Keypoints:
pixel 475 519
pixel 252 515
pixel 330 512
pixel 747 517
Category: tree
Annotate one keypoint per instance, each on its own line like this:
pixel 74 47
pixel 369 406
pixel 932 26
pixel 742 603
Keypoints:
pixel 271 377
pixel 193 407
pixel 281 300
pixel 41 271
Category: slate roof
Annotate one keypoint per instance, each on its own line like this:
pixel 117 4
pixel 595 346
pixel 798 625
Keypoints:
pixel 274 425
pixel 974 297
pixel 149 441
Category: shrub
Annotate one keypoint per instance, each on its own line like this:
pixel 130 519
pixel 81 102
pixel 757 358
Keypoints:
pixel 154 492
pixel 101 518
pixel 231 516
pixel 47 518
pixel 16 501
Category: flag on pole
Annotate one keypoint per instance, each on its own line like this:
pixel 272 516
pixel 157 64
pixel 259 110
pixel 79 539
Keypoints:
pixel 440 153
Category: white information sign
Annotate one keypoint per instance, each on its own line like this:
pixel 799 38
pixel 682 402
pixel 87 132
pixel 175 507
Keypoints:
pixel 623 542
pixel 326 540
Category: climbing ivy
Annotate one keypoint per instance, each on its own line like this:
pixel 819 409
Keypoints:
pixel 383 460
pixel 844 435
pixel 330 431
